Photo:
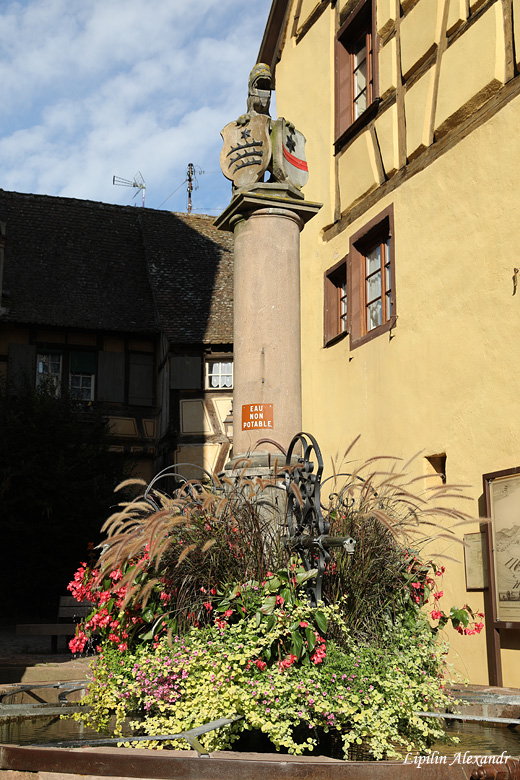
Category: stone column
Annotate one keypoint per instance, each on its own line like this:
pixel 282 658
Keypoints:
pixel 266 223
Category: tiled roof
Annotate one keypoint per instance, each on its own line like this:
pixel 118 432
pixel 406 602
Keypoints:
pixel 83 264
pixel 190 264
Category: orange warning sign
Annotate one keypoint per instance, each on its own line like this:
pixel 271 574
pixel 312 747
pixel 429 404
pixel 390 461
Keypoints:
pixel 257 416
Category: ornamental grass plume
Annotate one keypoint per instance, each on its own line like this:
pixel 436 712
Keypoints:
pixel 393 517
pixel 196 541
pixel 188 549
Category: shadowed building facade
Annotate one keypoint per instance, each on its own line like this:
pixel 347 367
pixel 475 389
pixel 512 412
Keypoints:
pixel 126 308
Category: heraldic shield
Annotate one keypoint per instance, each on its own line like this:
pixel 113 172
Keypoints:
pixel 289 162
pixel 247 150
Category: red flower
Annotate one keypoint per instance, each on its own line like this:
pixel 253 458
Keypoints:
pixel 439 594
pixel 319 654
pixel 287 662
pixel 436 614
pixel 280 600
pixel 260 664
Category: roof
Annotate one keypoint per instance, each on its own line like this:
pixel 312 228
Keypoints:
pixel 273 38
pixel 83 264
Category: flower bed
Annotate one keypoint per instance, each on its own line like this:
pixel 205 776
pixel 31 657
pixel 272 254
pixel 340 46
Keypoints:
pixel 202 613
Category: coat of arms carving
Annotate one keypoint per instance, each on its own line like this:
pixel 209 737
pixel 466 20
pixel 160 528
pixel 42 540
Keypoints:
pixel 247 150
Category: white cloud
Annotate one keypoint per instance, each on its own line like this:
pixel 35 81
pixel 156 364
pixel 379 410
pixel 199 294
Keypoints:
pixel 105 87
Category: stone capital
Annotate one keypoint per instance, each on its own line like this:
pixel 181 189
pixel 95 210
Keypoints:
pixel 275 199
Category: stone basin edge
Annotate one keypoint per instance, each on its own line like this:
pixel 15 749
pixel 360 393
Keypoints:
pixel 24 762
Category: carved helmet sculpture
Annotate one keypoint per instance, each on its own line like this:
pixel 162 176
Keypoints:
pixel 255 143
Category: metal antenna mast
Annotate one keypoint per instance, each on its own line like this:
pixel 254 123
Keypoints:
pixel 137 182
pixel 191 179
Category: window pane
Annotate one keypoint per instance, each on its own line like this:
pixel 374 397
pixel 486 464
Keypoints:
pixel 388 278
pixel 360 52
pixel 360 104
pixel 374 315
pixel 374 286
pixel 81 386
pixel 343 307
pixel 48 371
pixel 373 260
pixel 388 305
pixel 220 375
pixel 360 78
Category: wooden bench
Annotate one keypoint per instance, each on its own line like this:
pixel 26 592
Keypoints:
pixel 70 613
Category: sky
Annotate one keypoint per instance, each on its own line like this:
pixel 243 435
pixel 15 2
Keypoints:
pixel 93 89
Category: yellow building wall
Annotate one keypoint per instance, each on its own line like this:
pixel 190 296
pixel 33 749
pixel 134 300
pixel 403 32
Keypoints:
pixel 446 378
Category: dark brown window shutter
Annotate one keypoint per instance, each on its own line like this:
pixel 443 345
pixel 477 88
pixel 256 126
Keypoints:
pixel 21 367
pixel 141 379
pixel 111 377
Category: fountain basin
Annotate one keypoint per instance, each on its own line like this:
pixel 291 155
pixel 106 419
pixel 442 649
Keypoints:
pixel 23 762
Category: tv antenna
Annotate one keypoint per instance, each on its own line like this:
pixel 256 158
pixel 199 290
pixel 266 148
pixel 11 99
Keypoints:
pixel 191 178
pixel 138 182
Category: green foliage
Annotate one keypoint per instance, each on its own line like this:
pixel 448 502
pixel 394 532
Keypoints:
pixel 357 695
pixel 57 478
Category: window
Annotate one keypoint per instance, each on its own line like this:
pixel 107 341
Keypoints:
pixel 335 289
pixel 372 279
pixel 82 387
pixel 219 375
pixel 48 371
pixel 378 284
pixel 356 65
pixel 82 367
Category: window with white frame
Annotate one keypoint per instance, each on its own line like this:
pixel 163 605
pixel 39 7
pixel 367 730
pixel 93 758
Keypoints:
pixel 48 371
pixel 219 375
pixel 82 387
pixel 82 367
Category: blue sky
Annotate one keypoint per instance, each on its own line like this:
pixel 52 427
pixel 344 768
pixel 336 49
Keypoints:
pixel 97 88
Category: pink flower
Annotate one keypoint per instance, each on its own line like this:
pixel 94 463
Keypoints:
pixel 303 624
pixel 436 614
pixel 416 584
pixel 439 594
pixel 280 600
pixel 228 613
